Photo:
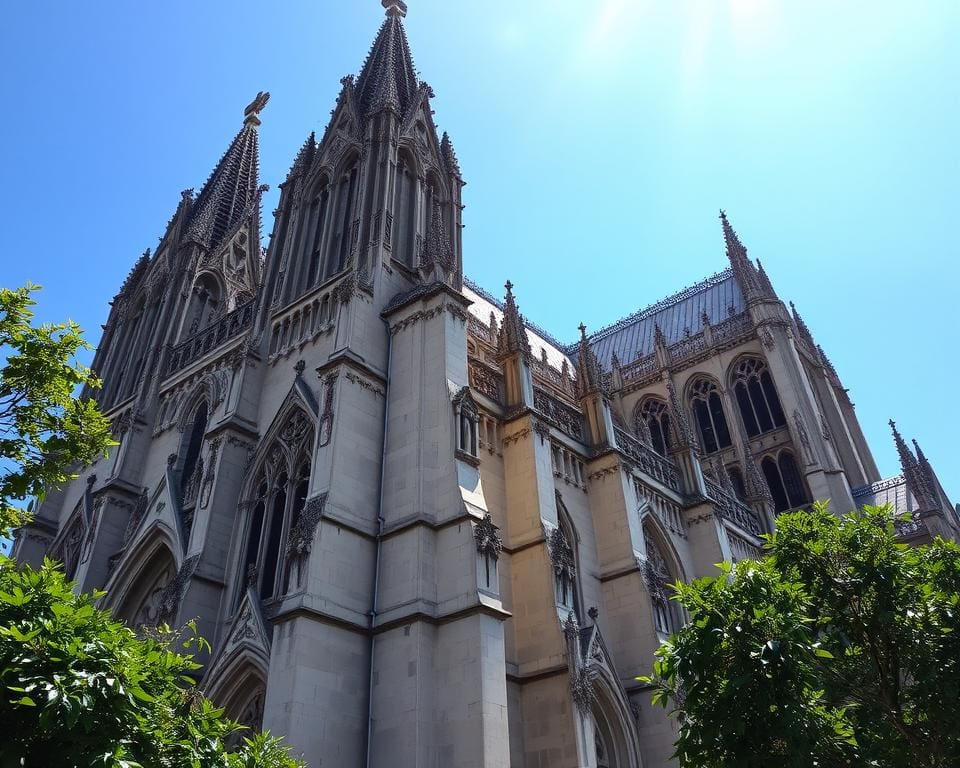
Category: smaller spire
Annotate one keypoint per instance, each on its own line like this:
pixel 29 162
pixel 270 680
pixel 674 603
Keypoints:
pixel 436 246
pixel 916 481
pixel 743 269
pixel 304 157
pixel 684 436
pixel 513 332
pixel 802 328
pixel 589 375
pixel 926 471
pixel 765 283
pixel 136 273
pixel 448 155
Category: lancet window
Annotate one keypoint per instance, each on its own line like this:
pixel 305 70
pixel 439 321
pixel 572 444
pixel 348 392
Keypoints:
pixel 658 578
pixel 279 493
pixel 191 469
pixel 345 227
pixel 654 419
pixel 562 544
pixel 757 397
pixel 785 482
pixel 315 228
pixel 406 194
pixel 468 424
pixel 708 413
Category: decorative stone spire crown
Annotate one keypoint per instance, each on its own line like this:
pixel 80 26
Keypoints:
pixel 388 79
pixel 589 373
pixel 234 184
pixel 449 156
pixel 437 255
pixel 747 275
pixel 513 332
pixel 802 328
pixel 684 436
pixel 916 481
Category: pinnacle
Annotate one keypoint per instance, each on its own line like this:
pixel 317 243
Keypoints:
pixel 388 80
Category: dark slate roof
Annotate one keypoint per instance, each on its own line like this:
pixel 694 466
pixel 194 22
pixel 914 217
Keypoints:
pixel 388 77
pixel 232 186
pixel 632 337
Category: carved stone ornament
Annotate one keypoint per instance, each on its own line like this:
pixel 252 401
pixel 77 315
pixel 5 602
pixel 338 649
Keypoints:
pixel 487 536
pixel 301 535
pixel 326 417
pixel 581 689
pixel 803 435
pixel 172 593
pixel 136 517
pixel 766 338
pixel 542 429
pixel 561 555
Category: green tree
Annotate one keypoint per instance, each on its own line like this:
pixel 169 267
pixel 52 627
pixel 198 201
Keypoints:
pixel 45 430
pixel 840 647
pixel 76 687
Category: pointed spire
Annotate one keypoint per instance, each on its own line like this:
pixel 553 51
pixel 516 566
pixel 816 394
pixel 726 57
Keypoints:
pixel 589 374
pixel 388 80
pixel 234 184
pixel 136 273
pixel 449 156
pixel 513 331
pixel 436 245
pixel 304 157
pixel 916 481
pixel 802 328
pixel 684 436
pixel 743 269
pixel 765 283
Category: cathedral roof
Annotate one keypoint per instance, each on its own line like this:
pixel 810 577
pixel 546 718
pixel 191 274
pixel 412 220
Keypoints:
pixel 717 298
pixel 232 186
pixel 388 78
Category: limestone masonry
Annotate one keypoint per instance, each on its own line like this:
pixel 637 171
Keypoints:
pixel 418 530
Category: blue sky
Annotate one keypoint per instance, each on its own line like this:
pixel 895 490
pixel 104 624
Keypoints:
pixel 598 138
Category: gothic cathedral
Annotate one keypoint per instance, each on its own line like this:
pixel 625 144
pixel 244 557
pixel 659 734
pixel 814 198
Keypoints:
pixel 419 531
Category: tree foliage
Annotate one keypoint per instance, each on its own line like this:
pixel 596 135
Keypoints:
pixel 76 687
pixel 44 429
pixel 80 689
pixel 841 647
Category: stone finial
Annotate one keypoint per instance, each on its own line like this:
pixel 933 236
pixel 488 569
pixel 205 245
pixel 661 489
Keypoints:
pixel 743 269
pixel 513 332
pixel 589 375
pixel 251 114
pixel 802 327
pixel 395 7
pixel 913 473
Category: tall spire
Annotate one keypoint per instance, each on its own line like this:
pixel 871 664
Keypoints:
pixel 926 471
pixel 916 481
pixel 802 328
pixel 513 332
pixel 388 80
pixel 743 269
pixel 234 184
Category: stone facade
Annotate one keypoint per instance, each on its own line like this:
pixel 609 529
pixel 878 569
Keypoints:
pixel 417 529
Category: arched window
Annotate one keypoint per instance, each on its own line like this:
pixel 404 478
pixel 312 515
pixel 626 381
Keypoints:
pixel 279 496
pixel 191 470
pixel 562 545
pixel 315 230
pixel 405 211
pixel 345 229
pixel 708 412
pixel 658 578
pixel 655 418
pixel 204 306
pixel 757 397
pixel 786 484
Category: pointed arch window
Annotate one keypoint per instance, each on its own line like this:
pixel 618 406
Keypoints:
pixel 563 546
pixel 346 225
pixel 709 415
pixel 757 397
pixel 406 190
pixel 658 577
pixel 315 229
pixel 655 418
pixel 279 494
pixel 785 481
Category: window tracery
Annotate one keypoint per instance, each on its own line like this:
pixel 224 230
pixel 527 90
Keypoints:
pixel 279 495
pixel 653 421
pixel 757 397
pixel 562 546
pixel 709 414
pixel 658 578
pixel 785 481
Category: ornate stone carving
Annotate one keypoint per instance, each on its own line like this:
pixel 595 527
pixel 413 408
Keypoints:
pixel 172 593
pixel 487 537
pixel 581 688
pixel 363 383
pixel 326 416
pixel 803 435
pixel 136 517
pixel 561 555
pixel 300 540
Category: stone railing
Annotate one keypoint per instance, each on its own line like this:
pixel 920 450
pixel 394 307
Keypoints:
pixel 648 460
pixel 731 508
pixel 304 322
pixel 689 347
pixel 487 381
pixel 211 337
pixel 567 419
pixel 562 380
